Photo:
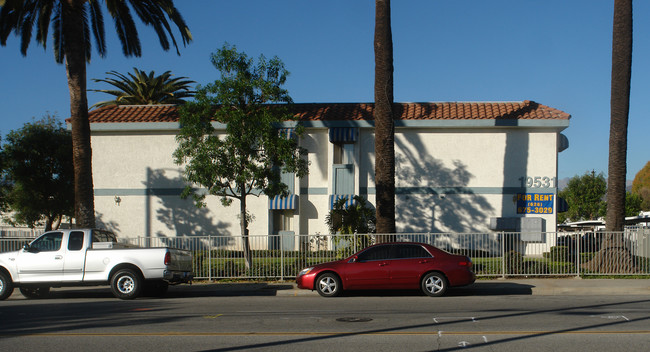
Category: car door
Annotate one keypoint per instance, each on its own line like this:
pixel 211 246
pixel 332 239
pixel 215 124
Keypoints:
pixel 409 262
pixel 42 261
pixel 369 269
pixel 75 257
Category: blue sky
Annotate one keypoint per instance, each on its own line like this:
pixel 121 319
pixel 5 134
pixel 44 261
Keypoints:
pixel 555 52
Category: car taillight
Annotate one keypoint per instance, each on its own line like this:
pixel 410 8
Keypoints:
pixel 467 262
pixel 168 258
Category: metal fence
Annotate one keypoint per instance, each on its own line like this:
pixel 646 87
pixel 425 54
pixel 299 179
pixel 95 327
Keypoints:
pixel 503 254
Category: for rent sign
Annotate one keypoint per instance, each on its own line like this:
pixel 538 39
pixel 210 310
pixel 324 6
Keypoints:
pixel 535 203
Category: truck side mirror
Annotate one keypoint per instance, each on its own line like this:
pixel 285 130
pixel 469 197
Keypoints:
pixel 30 249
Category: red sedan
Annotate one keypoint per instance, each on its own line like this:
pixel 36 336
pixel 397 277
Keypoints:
pixel 404 265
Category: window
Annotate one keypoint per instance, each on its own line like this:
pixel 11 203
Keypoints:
pixel 50 242
pixel 104 236
pixel 375 253
pixel 75 241
pixel 405 251
pixel 343 153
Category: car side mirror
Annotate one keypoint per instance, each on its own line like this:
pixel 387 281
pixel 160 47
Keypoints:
pixel 30 249
pixel 354 259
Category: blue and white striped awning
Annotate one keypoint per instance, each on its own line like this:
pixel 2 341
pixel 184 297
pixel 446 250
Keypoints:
pixel 283 203
pixel 335 197
pixel 288 133
pixel 344 134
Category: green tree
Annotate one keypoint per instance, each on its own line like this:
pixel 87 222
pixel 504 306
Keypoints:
pixel 384 123
pixel 145 89
pixel 74 23
pixel 641 186
pixel 246 160
pixel 585 196
pixel 632 204
pixel 37 174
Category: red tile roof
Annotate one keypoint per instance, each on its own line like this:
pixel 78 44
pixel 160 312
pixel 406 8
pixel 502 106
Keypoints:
pixel 525 110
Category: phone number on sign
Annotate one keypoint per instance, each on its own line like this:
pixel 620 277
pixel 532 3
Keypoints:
pixel 535 210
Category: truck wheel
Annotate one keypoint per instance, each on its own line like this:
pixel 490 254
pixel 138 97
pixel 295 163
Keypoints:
pixel 126 284
pixel 35 292
pixel 6 286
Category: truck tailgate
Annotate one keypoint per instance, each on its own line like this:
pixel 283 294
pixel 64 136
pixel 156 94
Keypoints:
pixel 181 260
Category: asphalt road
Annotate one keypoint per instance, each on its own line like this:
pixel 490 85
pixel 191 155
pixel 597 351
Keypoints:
pixel 204 319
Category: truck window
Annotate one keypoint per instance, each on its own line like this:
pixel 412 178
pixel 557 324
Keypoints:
pixel 103 236
pixel 75 241
pixel 50 242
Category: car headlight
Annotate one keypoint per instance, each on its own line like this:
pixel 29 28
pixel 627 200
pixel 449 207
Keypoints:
pixel 305 271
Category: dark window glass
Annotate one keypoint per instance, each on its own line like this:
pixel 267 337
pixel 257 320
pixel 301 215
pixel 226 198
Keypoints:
pixel 49 242
pixel 403 251
pixel 375 253
pixel 103 236
pixel 75 241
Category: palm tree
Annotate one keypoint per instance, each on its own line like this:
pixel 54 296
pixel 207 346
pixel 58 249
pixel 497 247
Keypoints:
pixel 613 257
pixel 74 23
pixel 145 89
pixel 384 124
pixel 620 106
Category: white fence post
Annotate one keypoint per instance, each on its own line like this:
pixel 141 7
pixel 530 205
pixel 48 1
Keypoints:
pixel 209 256
pixel 503 254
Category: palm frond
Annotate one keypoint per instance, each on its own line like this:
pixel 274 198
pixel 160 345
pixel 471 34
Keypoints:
pixel 97 23
pixel 44 16
pixel 142 88
pixel 57 35
pixel 125 27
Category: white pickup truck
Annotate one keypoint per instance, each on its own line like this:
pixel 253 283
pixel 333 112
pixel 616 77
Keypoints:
pixel 84 257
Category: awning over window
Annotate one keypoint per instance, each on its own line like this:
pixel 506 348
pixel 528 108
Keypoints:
pixel 288 133
pixel 284 203
pixel 344 134
pixel 335 197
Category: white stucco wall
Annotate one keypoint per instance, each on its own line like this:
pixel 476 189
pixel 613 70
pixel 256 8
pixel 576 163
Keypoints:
pixel 448 180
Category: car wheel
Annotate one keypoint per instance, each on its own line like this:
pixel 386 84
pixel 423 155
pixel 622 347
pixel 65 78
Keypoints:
pixel 328 285
pixel 434 284
pixel 6 286
pixel 35 292
pixel 126 284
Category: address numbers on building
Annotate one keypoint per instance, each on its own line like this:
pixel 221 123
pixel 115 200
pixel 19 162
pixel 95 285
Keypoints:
pixel 538 182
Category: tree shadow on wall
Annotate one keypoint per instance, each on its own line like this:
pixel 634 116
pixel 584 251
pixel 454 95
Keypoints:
pixel 435 198
pixel 111 226
pixel 181 217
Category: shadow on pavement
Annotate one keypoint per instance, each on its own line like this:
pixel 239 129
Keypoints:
pixel 274 289
pixel 199 290
pixel 491 289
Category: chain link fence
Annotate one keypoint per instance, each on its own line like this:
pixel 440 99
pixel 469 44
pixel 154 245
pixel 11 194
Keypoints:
pixel 502 254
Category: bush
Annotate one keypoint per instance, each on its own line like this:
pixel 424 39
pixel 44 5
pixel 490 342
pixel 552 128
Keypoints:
pixel 558 254
pixel 514 262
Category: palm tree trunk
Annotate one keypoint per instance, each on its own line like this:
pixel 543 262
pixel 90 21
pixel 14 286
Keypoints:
pixel 620 105
pixel 384 123
pixel 75 62
pixel 614 256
